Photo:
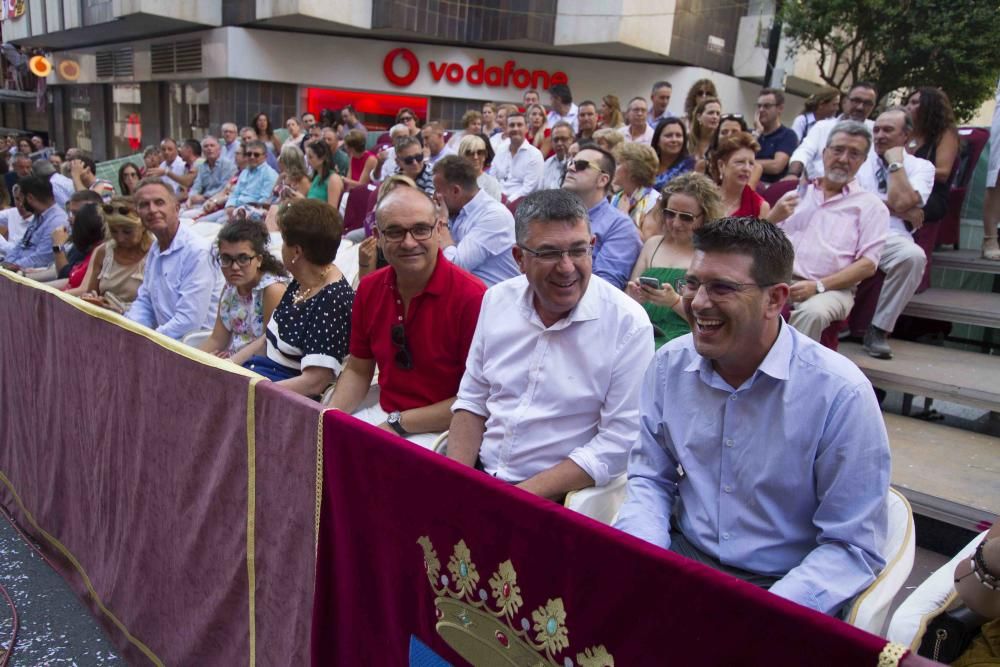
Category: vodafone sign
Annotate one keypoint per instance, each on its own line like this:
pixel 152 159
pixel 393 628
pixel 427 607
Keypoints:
pixel 401 67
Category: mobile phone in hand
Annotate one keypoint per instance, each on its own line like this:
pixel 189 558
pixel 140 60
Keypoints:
pixel 650 282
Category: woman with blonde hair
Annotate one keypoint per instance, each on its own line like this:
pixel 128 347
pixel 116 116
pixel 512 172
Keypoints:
pixel 116 269
pixel 478 150
pixel 686 203
pixel 608 139
pixel 634 174
pixel 539 133
pixel 611 113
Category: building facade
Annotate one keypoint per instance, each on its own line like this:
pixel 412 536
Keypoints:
pixel 138 70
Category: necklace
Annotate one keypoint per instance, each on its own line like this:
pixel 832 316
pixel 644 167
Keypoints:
pixel 303 294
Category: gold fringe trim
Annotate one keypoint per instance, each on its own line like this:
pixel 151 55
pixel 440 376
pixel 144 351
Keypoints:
pixel 118 320
pixel 79 568
pixel 252 515
pixel 319 480
pixel 891 654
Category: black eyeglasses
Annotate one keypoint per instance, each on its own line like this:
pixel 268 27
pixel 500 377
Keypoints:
pixel 241 260
pixel 717 290
pixel 420 232
pixel 412 159
pixel 406 119
pixel 575 254
pixel 110 209
pixel 254 154
pixel 861 102
pixel 403 357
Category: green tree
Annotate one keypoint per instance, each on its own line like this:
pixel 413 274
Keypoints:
pixel 903 44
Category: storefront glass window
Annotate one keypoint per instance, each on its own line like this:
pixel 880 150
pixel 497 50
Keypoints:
pixel 189 110
pixel 126 130
pixel 79 119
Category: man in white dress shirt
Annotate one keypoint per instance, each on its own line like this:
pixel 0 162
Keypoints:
pixel 480 230
pixel 518 167
pixel 539 406
pixel 563 109
pixel 555 166
pixel 903 182
pixel 637 129
pixel 808 157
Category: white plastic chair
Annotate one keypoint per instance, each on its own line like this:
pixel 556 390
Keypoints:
pixel 872 606
pixel 600 503
pixel 196 338
pixel 932 597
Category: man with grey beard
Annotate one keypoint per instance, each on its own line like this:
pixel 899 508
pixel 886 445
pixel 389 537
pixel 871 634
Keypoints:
pixel 838 231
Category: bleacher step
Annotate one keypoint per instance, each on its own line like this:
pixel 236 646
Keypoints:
pixel 953 305
pixel 946 473
pixel 964 260
pixel 968 378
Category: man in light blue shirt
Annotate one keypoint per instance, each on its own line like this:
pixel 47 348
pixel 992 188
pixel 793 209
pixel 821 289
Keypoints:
pixel 589 175
pixel 256 181
pixel 230 141
pixel 480 236
pixel 767 450
pixel 34 250
pixel 181 287
pixel 214 173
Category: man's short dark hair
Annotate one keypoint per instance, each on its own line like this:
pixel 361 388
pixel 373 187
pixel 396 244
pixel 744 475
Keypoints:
pixel 661 84
pixel 85 196
pixel 89 163
pixel 194 145
pixel 779 97
pixel 38 187
pixel 458 171
pixel 864 84
pixel 562 92
pixel 770 249
pixel 607 161
pixel 548 206
pixel 588 103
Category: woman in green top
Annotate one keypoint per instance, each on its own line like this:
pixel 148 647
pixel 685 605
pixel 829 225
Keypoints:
pixel 327 185
pixel 686 203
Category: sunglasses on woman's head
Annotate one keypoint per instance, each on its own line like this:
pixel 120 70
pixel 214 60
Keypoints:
pixel 110 209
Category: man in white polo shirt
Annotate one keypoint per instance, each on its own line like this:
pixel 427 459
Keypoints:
pixel 903 182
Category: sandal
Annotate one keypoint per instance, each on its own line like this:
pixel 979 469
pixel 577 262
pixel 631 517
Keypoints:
pixel 991 250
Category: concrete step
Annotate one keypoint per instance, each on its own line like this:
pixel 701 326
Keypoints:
pixel 959 306
pixel 946 473
pixel 967 378
pixel 964 260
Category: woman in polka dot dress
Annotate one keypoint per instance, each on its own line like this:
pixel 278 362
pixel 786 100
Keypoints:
pixel 308 335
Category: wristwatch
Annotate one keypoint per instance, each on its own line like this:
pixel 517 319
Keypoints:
pixel 393 420
pixel 56 249
pixel 820 287
pixel 894 167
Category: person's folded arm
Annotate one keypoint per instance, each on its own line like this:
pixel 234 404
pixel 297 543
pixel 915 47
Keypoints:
pixel 194 300
pixel 353 384
pixel 258 346
pixel 851 485
pixel 651 490
pixel 850 275
pixel 433 418
pixel 141 310
pixel 312 382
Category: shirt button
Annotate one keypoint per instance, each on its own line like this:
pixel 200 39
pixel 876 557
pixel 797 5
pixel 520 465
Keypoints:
pixel 728 489
pixel 732 397
pixel 725 536
pixel 729 442
pixel 400 318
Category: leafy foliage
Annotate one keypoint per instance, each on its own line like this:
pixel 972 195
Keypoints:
pixel 903 44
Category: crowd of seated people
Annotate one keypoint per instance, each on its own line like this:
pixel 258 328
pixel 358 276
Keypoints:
pixel 566 289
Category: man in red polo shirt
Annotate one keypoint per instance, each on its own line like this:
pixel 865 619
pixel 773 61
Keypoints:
pixel 414 321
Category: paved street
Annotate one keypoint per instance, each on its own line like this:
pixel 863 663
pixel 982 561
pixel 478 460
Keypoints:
pixel 55 627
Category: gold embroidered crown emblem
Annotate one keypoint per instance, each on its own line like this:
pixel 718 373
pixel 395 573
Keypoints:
pixel 484 628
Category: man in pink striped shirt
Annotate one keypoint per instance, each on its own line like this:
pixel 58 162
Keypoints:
pixel 838 231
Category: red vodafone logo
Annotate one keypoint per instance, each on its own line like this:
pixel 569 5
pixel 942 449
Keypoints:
pixel 476 74
pixel 388 66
